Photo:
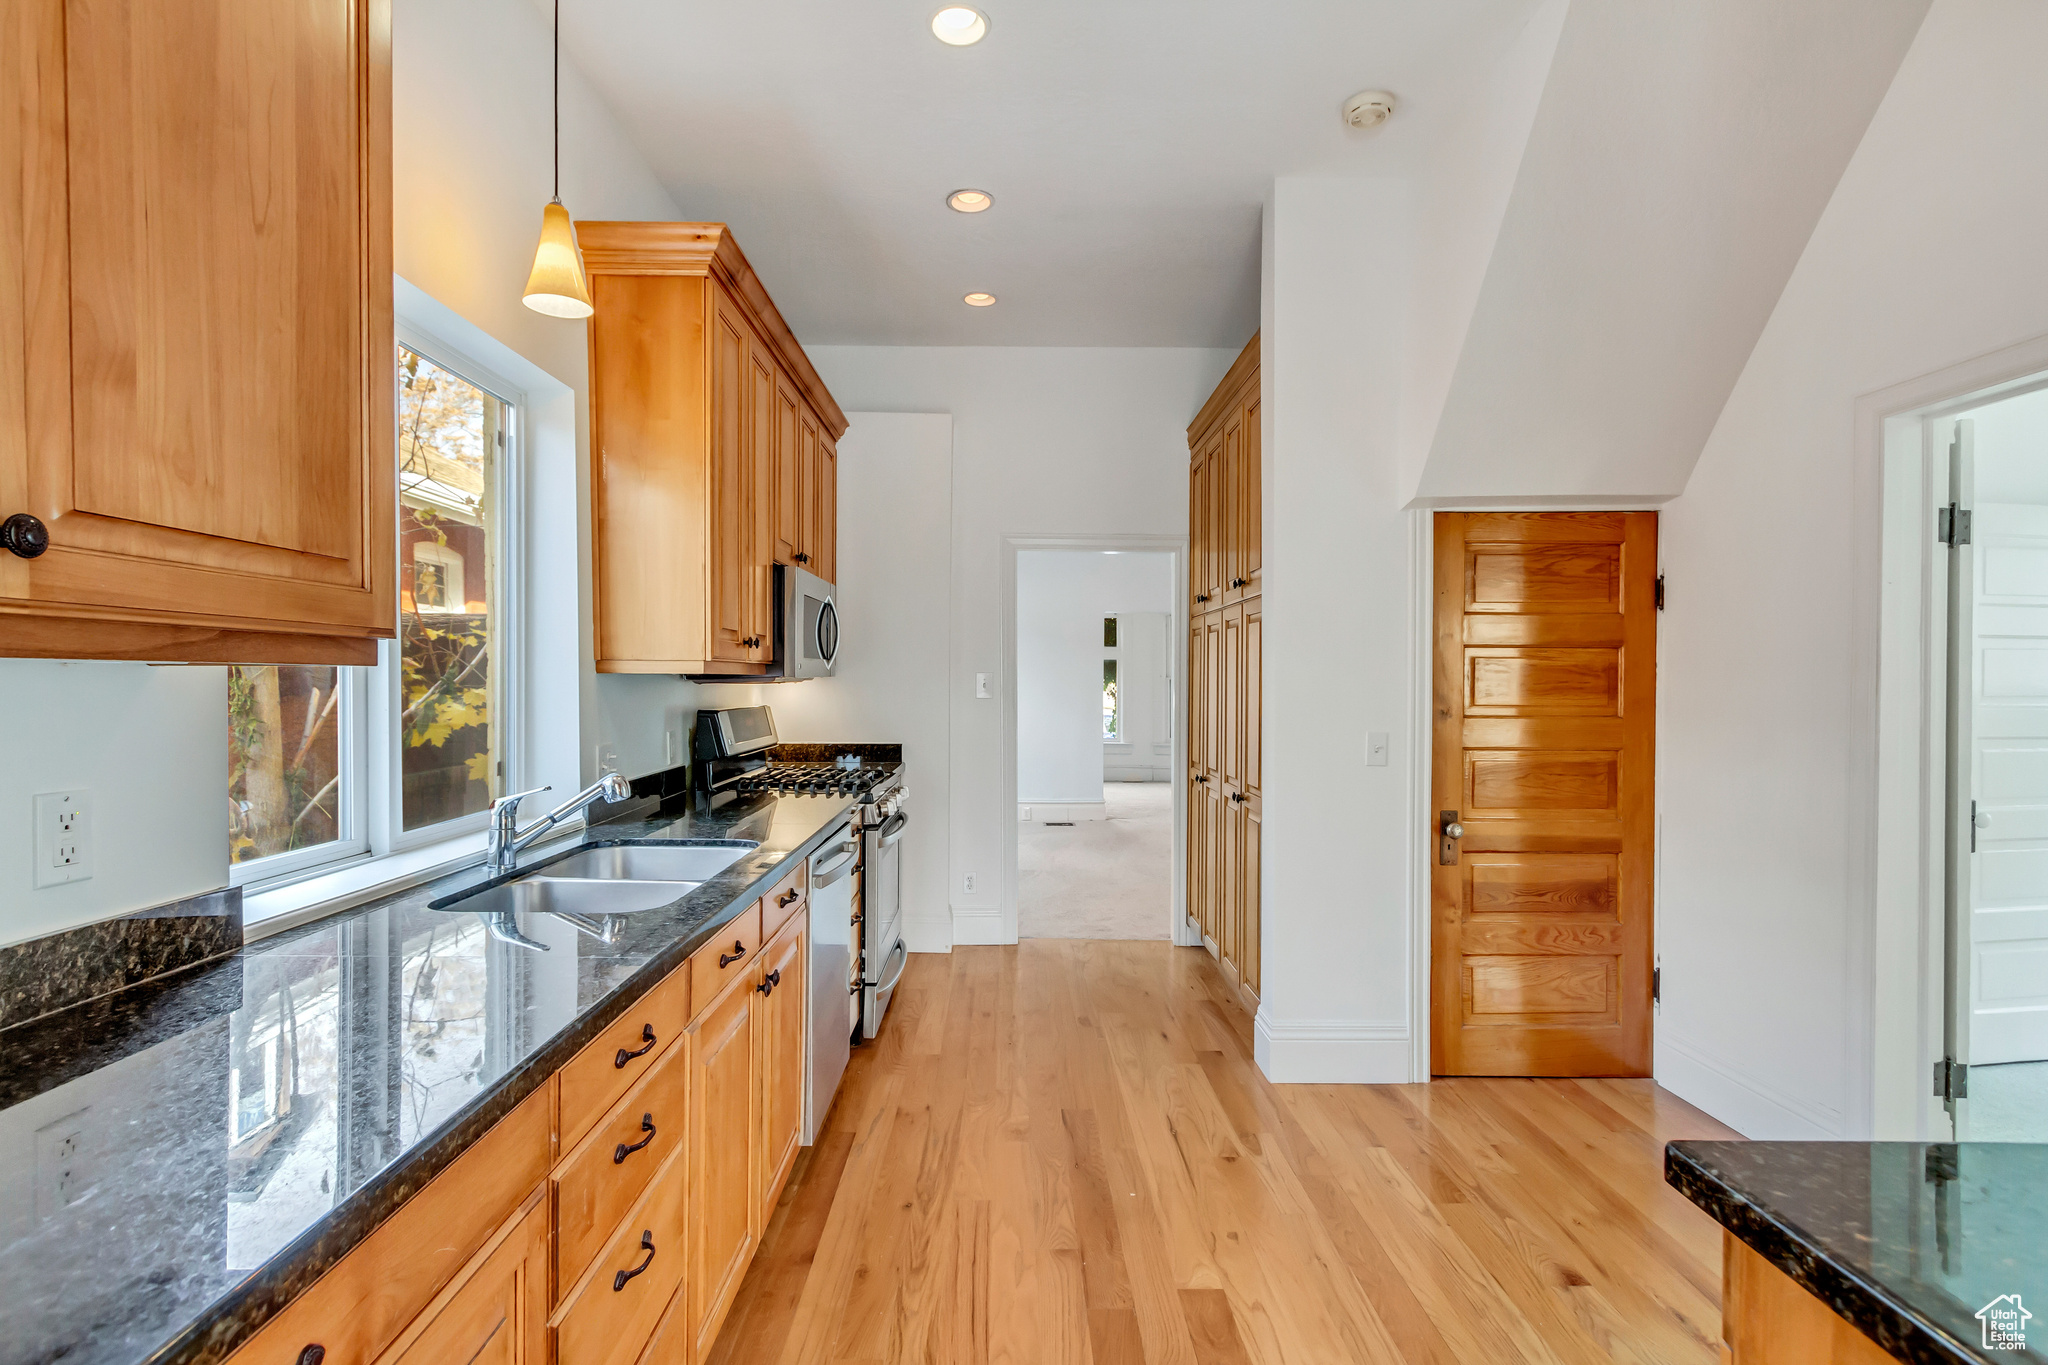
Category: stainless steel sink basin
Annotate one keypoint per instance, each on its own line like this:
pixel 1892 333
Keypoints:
pixel 649 862
pixel 575 896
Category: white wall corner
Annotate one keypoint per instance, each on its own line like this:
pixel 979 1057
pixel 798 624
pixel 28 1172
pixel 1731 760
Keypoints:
pixel 1752 1107
pixel 1330 1051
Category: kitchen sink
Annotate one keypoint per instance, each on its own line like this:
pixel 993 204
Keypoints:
pixel 574 896
pixel 650 862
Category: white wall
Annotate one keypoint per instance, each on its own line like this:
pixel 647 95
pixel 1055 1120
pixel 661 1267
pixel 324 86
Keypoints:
pixel 1062 598
pixel 1337 597
pixel 895 597
pixel 2012 449
pixel 150 744
pixel 1045 441
pixel 1928 254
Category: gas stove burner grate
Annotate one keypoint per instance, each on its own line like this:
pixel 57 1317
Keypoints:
pixel 812 778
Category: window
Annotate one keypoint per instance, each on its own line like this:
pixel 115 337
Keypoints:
pixel 306 744
pixel 1112 713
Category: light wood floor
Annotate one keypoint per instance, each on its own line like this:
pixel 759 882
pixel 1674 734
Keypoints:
pixel 1063 1152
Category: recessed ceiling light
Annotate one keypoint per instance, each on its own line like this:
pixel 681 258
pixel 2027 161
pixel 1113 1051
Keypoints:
pixel 959 26
pixel 969 201
pixel 979 300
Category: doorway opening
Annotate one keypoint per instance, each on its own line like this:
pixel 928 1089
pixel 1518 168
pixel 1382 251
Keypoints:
pixel 1096 715
pixel 1992 533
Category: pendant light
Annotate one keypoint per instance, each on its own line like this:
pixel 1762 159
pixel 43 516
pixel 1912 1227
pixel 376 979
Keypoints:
pixel 557 285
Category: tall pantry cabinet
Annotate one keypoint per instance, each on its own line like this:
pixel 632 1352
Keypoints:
pixel 1225 680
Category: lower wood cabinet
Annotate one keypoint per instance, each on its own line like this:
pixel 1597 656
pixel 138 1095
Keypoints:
pixel 724 1221
pixel 779 1052
pixel 496 1312
pixel 1767 1318
pixel 627 1195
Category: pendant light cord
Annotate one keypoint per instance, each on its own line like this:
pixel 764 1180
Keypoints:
pixel 558 101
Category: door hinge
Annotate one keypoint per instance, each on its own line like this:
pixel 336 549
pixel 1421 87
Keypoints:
pixel 1951 1080
pixel 1660 592
pixel 1656 985
pixel 1952 525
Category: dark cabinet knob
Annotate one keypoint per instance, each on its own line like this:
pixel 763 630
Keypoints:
pixel 801 558
pixel 312 1355
pixel 26 536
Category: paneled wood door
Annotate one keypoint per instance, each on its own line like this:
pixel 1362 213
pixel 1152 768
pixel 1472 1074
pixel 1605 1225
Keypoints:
pixel 724 1123
pixel 733 611
pixel 828 507
pixel 779 1060
pixel 1250 500
pixel 1230 784
pixel 1251 795
pixel 1209 779
pixel 783 407
pixel 496 1313
pixel 1198 780
pixel 1544 750
pixel 196 353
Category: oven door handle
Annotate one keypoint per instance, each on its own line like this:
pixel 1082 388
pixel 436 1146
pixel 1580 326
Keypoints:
pixel 892 830
pixel 828 873
pixel 902 951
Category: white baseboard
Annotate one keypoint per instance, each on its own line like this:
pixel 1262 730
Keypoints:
pixel 926 935
pixel 1751 1107
pixel 977 926
pixel 1330 1051
pixel 1039 812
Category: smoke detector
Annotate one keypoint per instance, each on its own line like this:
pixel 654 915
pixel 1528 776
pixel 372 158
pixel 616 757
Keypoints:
pixel 1368 108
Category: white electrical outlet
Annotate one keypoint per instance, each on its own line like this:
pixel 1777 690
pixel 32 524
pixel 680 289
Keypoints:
pixel 607 759
pixel 64 1174
pixel 63 837
pixel 970 884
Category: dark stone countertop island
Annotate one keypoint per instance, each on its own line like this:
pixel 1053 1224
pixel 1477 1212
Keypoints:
pixel 1907 1241
pixel 185 1156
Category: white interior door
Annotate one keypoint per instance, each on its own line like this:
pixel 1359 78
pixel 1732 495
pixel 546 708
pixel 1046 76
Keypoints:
pixel 1960 749
pixel 2008 922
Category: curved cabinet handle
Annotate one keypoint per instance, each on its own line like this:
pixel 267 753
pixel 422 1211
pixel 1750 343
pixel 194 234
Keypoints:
pixel 646 1245
pixel 647 1046
pixel 739 950
pixel 622 1151
pixel 312 1355
pixel 902 951
pixel 782 902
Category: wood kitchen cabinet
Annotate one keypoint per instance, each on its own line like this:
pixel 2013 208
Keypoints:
pixel 723 1142
pixel 196 352
pixel 496 1312
pixel 779 1045
pixel 709 433
pixel 1225 679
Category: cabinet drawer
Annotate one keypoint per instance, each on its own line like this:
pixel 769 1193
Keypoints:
pixel 363 1303
pixel 616 1059
pixel 785 898
pixel 607 1321
pixel 605 1174
pixel 730 953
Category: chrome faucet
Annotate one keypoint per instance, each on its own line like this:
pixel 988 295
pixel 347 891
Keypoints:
pixel 501 849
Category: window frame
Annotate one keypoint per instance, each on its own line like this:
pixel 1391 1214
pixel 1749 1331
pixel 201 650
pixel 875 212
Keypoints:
pixel 371 797
pixel 1115 654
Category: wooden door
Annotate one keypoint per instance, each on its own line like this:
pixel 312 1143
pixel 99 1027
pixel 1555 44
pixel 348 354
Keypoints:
pixel 807 488
pixel 496 1313
pixel 732 493
pixel 1250 498
pixel 1228 499
pixel 779 1062
pixel 1210 718
pixel 828 507
pixel 724 1129
pixel 1230 783
pixel 1251 795
pixel 1197 804
pixel 1207 559
pixel 789 531
pixel 1545 695
pixel 195 320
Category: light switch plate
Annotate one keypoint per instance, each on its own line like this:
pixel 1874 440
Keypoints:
pixel 1376 749
pixel 981 687
pixel 63 851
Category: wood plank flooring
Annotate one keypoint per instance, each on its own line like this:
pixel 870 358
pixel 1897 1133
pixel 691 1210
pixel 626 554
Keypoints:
pixel 1063 1152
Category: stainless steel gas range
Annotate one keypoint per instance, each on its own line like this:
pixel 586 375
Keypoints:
pixel 738 754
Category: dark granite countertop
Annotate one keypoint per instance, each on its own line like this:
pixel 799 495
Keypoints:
pixel 1908 1241
pixel 186 1156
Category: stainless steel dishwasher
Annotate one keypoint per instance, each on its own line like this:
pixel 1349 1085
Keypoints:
pixel 832 948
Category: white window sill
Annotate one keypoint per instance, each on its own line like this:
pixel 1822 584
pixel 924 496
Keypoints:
pixel 368 878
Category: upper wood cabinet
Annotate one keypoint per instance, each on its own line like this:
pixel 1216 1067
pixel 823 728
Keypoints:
pixel 707 427
pixel 1225 490
pixel 196 368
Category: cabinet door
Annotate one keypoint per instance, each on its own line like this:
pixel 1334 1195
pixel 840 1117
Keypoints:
pixel 732 494
pixel 828 507
pixel 1226 499
pixel 1252 665
pixel 807 488
pixel 497 1313
pixel 195 318
pixel 723 1128
pixel 761 456
pixel 1250 497
pixel 788 485
pixel 779 1069
pixel 1230 779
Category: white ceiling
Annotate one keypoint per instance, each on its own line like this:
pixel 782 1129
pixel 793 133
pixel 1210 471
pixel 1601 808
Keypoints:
pixel 1128 144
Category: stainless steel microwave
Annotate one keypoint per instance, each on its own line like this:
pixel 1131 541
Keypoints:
pixel 806 624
